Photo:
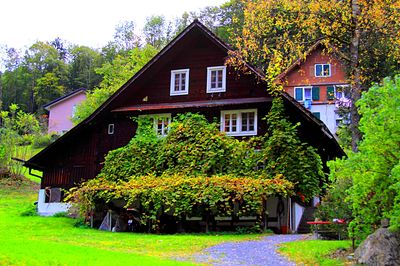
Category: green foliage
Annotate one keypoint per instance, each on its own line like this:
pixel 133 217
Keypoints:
pixel 42 141
pixel 140 157
pixel 183 195
pixel 198 170
pixel 374 170
pixel 114 74
pixel 156 31
pixel 285 154
pixel 333 205
pixel 18 128
pixel 81 70
pixel 196 147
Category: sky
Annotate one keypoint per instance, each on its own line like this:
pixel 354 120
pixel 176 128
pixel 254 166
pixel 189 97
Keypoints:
pixel 83 22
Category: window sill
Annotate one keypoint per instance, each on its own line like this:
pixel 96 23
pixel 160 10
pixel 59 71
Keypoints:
pixel 238 134
pixel 179 93
pixel 216 90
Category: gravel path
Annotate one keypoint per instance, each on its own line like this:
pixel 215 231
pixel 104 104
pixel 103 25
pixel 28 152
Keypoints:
pixel 262 252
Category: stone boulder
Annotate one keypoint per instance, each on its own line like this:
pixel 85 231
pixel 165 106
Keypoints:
pixel 380 248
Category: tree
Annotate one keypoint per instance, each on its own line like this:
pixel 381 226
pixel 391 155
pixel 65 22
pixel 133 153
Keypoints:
pixel 125 37
pixel 114 74
pixel 47 88
pixel 365 34
pixel 156 31
pixel 374 193
pixel 84 61
pixel 42 58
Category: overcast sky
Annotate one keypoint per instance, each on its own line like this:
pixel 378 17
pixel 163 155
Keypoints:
pixel 83 22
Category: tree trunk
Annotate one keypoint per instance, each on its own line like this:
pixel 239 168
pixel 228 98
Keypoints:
pixel 355 76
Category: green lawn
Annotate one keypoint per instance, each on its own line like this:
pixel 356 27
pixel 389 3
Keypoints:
pixel 34 240
pixel 314 252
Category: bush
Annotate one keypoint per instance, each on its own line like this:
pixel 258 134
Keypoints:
pixel 41 141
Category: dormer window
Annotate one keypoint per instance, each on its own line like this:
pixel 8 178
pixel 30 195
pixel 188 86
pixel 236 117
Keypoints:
pixel 179 82
pixel 216 79
pixel 322 70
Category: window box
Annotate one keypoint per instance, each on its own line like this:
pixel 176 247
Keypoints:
pixel 239 122
pixel 179 82
pixel 216 79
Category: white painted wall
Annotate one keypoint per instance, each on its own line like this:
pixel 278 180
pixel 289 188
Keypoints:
pixel 49 209
pixel 327 115
pixel 298 214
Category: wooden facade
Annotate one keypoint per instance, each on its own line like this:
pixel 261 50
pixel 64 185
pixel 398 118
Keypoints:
pixel 78 155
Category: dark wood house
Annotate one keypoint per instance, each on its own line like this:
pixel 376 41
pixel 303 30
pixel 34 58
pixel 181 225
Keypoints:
pixel 188 75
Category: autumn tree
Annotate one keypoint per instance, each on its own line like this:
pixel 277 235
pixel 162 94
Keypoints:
pixel 364 34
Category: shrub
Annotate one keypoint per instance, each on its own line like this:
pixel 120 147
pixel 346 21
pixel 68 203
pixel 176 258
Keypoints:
pixel 41 141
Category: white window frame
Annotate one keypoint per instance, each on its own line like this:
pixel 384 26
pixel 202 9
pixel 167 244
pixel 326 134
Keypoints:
pixel 239 131
pixel 164 129
pixel 323 73
pixel 110 129
pixel 172 84
pixel 219 89
pixel 303 94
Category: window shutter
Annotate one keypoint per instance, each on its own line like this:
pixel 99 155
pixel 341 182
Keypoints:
pixel 330 93
pixel 317 115
pixel 298 94
pixel 315 93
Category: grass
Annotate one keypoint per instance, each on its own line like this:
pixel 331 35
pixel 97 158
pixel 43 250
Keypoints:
pixel 35 240
pixel 314 252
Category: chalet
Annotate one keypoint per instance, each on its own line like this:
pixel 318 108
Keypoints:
pixel 188 75
pixel 318 81
pixel 62 109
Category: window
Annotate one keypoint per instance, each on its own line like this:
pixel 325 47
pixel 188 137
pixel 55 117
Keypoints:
pixel 179 82
pixel 306 93
pixel 342 91
pixel 216 79
pixel 110 129
pixel 317 115
pixel 160 123
pixel 322 70
pixel 239 122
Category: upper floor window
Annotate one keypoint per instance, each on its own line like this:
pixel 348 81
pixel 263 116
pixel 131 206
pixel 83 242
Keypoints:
pixel 216 79
pixel 239 122
pixel 322 70
pixel 179 82
pixel 160 123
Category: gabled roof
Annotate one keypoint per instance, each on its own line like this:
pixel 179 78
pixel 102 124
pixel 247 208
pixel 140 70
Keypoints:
pixel 300 60
pixel 195 25
pixel 63 98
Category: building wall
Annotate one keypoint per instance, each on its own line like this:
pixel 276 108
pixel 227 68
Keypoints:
pixel 327 114
pixel 60 113
pixel 303 75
